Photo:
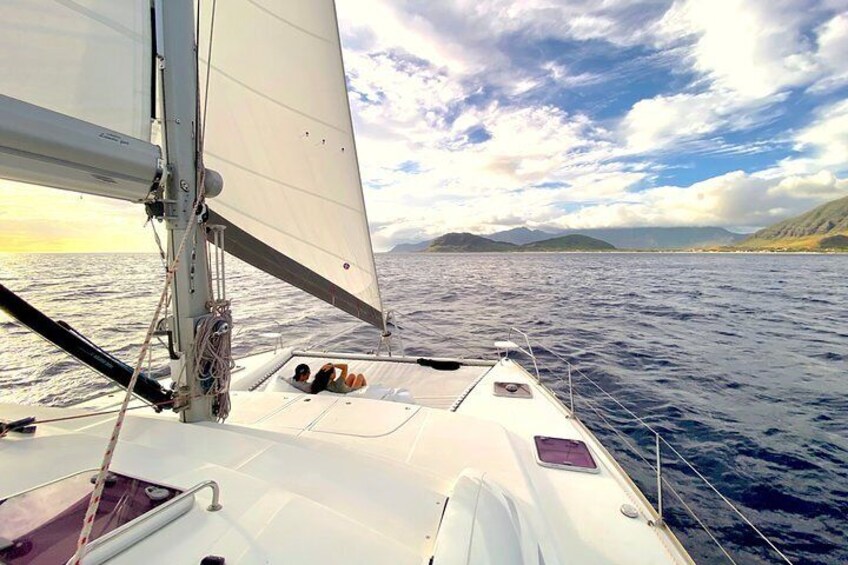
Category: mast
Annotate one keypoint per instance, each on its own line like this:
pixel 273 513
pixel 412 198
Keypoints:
pixel 190 291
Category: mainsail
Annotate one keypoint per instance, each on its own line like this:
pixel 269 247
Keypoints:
pixel 76 95
pixel 278 128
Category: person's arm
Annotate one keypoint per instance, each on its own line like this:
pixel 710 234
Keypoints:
pixel 343 367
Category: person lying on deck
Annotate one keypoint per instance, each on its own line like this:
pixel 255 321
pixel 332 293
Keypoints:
pixel 325 379
pixel 301 375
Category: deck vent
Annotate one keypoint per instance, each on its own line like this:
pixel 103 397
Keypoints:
pixel 629 510
pixel 513 390
pixel 561 453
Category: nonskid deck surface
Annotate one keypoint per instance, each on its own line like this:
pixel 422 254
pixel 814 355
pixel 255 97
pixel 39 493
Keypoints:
pixel 327 479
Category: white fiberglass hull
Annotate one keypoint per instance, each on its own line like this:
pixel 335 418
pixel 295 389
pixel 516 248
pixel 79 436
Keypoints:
pixel 344 478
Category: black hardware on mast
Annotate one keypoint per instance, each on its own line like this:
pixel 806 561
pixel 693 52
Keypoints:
pixel 66 338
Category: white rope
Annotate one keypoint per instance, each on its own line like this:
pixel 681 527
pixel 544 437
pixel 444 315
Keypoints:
pixel 94 502
pixel 214 359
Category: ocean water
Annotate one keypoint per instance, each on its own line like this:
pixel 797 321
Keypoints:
pixel 739 360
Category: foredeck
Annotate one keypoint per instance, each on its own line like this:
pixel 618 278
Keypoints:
pixel 340 478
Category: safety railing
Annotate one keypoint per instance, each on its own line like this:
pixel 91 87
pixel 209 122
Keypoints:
pixel 660 444
pixel 129 527
pixel 528 351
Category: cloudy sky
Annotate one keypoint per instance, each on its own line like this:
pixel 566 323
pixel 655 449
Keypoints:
pixel 481 115
pixel 488 114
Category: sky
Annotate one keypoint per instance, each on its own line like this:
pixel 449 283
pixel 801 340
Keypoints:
pixel 486 115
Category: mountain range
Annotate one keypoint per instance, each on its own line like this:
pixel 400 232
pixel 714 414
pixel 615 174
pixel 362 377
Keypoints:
pixel 468 242
pixel 620 238
pixel 822 228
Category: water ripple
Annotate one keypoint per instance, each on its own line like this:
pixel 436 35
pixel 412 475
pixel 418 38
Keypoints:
pixel 739 359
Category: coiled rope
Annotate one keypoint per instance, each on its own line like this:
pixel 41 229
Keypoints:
pixel 214 359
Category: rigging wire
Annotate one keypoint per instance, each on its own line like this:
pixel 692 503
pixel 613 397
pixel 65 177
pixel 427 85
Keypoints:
pixel 162 255
pixel 310 345
pixel 208 64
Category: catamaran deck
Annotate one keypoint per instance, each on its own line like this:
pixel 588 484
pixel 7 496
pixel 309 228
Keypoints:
pixel 340 478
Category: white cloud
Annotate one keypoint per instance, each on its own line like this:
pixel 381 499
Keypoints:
pixel 828 136
pixel 823 143
pixel 732 200
pixel 753 49
pixel 657 122
pixel 540 158
pixel 388 26
pixel 747 54
pixel 832 39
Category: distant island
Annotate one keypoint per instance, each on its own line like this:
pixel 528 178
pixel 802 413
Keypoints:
pixel 470 243
pixel 824 228
pixel 604 239
pixel 633 238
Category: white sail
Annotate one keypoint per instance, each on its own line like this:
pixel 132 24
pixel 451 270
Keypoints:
pixel 76 96
pixel 88 59
pixel 278 129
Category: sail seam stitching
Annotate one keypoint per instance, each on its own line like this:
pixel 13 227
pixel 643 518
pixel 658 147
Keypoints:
pixel 94 16
pixel 287 22
pixel 277 102
pixel 281 183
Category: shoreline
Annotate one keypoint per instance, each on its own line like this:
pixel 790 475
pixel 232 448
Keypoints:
pixel 622 251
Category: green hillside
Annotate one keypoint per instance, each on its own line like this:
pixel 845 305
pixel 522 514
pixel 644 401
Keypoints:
pixel 465 243
pixel 573 242
pixel 470 243
pixel 825 227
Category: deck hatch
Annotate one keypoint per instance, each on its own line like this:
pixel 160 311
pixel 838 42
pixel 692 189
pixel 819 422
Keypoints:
pixel 562 453
pixel 42 525
pixel 513 390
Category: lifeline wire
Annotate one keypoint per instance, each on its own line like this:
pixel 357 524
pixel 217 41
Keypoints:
pixel 645 424
pixel 706 481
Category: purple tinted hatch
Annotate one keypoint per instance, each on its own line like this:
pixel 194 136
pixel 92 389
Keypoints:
pixel 567 453
pixel 42 525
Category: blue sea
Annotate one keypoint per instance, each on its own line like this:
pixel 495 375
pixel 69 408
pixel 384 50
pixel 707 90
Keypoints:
pixel 738 359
